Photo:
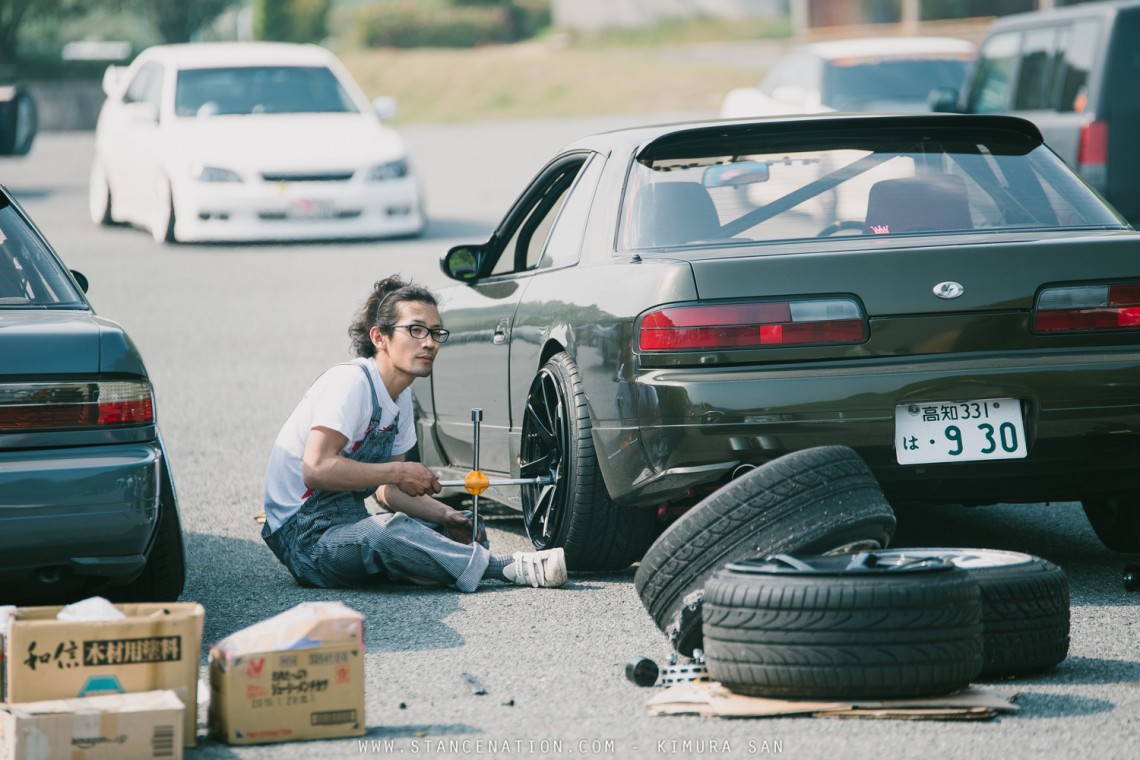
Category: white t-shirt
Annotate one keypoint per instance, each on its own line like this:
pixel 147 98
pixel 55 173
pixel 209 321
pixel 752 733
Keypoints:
pixel 341 400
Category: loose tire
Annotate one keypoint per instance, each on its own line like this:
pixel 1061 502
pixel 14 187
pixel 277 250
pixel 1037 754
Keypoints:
pixel 1116 521
pixel 575 511
pixel 843 627
pixel 811 501
pixel 1025 607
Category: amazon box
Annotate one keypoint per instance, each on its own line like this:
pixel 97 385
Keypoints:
pixel 297 675
pixel 139 725
pixel 153 647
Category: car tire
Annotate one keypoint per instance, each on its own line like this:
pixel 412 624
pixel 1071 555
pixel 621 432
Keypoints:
pixel 164 577
pixel 19 122
pixel 1116 521
pixel 575 511
pixel 811 501
pixel 162 228
pixel 99 195
pixel 843 627
pixel 1025 607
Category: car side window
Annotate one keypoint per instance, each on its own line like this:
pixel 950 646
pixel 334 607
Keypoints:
pixel 525 246
pixel 564 245
pixel 146 87
pixel 1076 54
pixel 992 86
pixel 1035 72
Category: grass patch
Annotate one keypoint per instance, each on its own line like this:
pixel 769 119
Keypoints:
pixel 541 80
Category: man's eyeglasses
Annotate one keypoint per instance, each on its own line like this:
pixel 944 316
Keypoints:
pixel 419 332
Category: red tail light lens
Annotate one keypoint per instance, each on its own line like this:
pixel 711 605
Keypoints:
pixel 1088 307
pixel 1093 148
pixel 63 406
pixel 759 324
pixel 1092 154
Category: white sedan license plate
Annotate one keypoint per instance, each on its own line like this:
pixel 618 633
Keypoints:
pixel 305 208
pixel 959 431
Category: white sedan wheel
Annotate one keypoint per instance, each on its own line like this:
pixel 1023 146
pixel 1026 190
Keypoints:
pixel 162 228
pixel 99 195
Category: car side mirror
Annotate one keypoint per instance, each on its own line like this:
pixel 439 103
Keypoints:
pixel 113 80
pixel 462 263
pixel 385 108
pixel 943 100
pixel 80 279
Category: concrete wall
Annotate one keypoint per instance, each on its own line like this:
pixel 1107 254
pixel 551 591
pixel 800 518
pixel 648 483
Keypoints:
pixel 593 15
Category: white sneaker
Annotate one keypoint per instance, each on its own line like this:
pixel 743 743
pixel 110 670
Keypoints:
pixel 545 569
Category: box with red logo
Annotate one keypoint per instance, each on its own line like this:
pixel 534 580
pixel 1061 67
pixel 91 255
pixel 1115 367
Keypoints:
pixel 297 675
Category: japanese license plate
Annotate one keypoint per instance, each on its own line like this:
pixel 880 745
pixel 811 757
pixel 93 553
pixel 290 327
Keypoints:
pixel 305 208
pixel 959 431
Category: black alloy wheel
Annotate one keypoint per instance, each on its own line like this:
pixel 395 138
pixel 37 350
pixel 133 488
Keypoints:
pixel 574 509
pixel 545 442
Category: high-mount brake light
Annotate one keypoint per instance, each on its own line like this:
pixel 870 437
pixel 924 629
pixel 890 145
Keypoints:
pixel 756 324
pixel 1082 308
pixel 71 405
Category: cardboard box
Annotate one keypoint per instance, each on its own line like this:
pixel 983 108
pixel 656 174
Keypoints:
pixel 298 675
pixel 111 727
pixel 155 647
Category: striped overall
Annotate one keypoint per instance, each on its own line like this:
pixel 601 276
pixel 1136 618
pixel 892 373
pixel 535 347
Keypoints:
pixel 333 542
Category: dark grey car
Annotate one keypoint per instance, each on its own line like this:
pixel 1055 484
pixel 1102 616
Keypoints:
pixel 1072 72
pixel 87 501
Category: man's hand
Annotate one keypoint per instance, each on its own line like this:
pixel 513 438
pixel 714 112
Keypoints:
pixel 458 526
pixel 416 480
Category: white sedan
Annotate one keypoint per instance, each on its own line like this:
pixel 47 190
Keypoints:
pixel 873 74
pixel 248 141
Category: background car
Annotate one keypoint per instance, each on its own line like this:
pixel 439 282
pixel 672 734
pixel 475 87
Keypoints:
pixel 883 74
pixel 87 500
pixel 19 120
pixel 1073 73
pixel 650 331
pixel 248 141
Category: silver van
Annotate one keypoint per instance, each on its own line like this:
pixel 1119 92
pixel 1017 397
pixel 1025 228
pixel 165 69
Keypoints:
pixel 1075 73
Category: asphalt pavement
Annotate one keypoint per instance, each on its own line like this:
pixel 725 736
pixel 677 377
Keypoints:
pixel 233 335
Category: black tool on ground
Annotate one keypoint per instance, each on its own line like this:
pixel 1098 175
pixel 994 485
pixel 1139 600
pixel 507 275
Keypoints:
pixel 1132 578
pixel 476 686
pixel 642 671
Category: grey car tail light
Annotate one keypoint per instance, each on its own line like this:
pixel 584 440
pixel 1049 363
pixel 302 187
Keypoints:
pixel 754 324
pixel 71 405
pixel 1082 308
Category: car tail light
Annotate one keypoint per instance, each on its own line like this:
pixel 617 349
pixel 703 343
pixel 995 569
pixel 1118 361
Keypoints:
pixel 70 405
pixel 757 324
pixel 1088 307
pixel 1092 154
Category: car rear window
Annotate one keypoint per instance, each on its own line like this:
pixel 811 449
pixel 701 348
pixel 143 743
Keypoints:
pixel 30 276
pixel 855 179
pixel 243 90
pixel 859 84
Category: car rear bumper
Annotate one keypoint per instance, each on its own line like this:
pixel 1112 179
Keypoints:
pixel 218 211
pixel 68 514
pixel 1081 414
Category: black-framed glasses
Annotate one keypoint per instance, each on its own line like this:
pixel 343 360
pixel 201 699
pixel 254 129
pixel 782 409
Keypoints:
pixel 419 332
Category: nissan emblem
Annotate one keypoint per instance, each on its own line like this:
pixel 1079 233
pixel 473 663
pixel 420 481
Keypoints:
pixel 949 290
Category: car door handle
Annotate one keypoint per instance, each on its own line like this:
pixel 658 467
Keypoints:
pixel 500 332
